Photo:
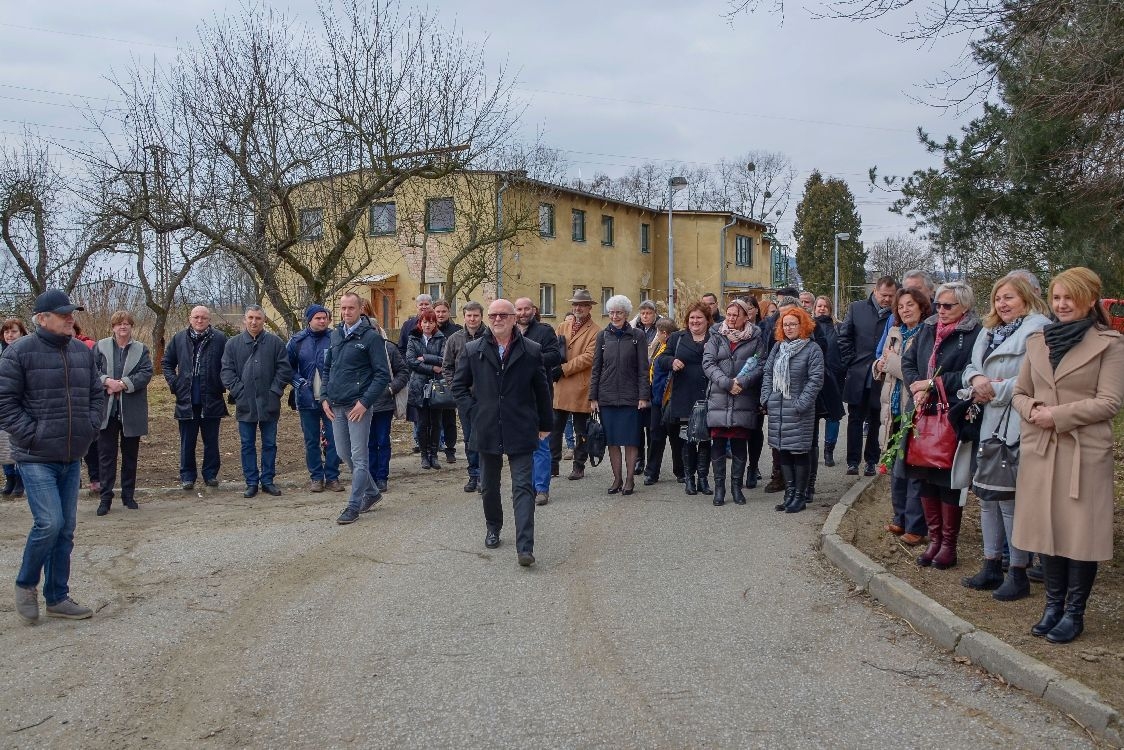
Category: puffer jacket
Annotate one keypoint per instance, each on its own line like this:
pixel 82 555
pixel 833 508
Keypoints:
pixel 620 368
pixel 399 379
pixel 421 370
pixel 51 398
pixel 792 420
pixel 306 352
pixel 722 365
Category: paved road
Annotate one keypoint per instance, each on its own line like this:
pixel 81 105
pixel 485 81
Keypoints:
pixel 654 620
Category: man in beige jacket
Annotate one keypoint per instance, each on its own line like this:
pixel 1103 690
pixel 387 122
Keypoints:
pixel 571 389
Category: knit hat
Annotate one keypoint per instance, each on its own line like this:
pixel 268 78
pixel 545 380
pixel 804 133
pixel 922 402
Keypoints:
pixel 313 310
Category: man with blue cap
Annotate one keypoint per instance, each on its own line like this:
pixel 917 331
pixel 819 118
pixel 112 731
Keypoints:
pixel 306 355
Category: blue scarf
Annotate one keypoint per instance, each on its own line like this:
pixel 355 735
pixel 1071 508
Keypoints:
pixel 896 393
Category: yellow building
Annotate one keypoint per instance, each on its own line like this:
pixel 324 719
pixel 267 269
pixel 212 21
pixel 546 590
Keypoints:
pixel 438 236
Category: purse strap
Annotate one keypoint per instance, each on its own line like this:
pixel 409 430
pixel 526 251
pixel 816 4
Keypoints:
pixel 1005 421
pixel 941 391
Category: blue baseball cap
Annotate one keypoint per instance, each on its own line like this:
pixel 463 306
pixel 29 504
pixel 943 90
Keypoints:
pixel 55 301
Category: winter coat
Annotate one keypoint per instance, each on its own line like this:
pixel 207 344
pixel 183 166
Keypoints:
pixel 620 368
pixel 306 352
pixel 507 402
pixel 400 378
pixel 404 333
pixel 792 421
pixel 858 338
pixel 659 374
pixel 829 404
pixel 892 373
pixel 51 398
pixel 177 367
pixel 571 392
pixel 1064 489
pixel 355 367
pixel 721 364
pixel 422 370
pixel 454 348
pixel 133 401
pixel 255 371
pixel 689 384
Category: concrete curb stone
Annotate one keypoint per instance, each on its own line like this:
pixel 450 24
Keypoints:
pixel 960 636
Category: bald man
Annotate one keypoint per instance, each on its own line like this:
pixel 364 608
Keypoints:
pixel 192 365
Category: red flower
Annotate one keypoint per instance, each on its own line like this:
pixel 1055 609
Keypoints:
pixel 882 469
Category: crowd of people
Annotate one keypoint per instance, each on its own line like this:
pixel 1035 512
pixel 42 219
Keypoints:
pixel 711 389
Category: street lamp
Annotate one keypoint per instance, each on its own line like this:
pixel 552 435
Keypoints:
pixel 674 185
pixel 838 236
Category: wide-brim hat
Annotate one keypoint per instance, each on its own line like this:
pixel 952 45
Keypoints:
pixel 582 296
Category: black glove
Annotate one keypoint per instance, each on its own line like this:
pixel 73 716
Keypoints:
pixel 556 373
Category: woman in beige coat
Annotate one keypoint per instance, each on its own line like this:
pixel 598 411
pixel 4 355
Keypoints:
pixel 571 389
pixel 1070 387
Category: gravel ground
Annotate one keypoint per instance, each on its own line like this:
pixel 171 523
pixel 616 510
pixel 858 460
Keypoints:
pixel 654 620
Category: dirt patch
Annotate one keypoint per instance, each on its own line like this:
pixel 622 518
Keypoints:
pixel 1096 658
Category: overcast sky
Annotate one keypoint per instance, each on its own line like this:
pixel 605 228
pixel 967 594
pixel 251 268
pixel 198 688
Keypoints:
pixel 612 84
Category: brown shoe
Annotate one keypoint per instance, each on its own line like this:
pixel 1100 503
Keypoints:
pixel 912 539
pixel 316 486
pixel 893 528
pixel 775 485
pixel 334 486
pixel 542 498
pixel 578 472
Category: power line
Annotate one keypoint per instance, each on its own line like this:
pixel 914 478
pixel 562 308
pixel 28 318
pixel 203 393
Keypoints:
pixel 89 36
pixel 58 93
pixel 38 101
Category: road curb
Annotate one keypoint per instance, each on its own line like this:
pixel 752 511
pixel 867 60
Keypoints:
pixel 961 637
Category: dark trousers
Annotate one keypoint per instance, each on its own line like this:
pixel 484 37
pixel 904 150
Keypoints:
pixel 580 422
pixel 657 439
pixel 753 448
pixel 719 446
pixel 521 467
pixel 378 446
pixel 449 428
pixel 430 424
pixel 93 461
pixel 678 448
pixel 190 429
pixel 473 456
pixel 107 461
pixel 905 496
pixel 857 416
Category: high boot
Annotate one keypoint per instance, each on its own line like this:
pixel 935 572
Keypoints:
pixel 703 483
pixel 1055 579
pixel 9 484
pixel 799 498
pixel 788 476
pixel 690 467
pixel 932 508
pixel 813 472
pixel 751 476
pixel 829 454
pixel 737 468
pixel 989 577
pixel 718 465
pixel 1015 587
pixel 776 481
pixel 1081 577
pixel 950 532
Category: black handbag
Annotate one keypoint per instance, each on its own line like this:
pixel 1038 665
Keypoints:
pixel 997 464
pixel 595 440
pixel 436 395
pixel 697 431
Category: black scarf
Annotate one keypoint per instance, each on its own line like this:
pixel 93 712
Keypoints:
pixel 199 341
pixel 1061 337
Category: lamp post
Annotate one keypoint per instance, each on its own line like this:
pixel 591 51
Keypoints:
pixel 674 185
pixel 838 236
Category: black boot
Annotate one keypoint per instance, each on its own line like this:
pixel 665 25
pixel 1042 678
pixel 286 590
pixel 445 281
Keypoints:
pixel 788 477
pixel 1055 578
pixel 719 467
pixel 813 472
pixel 737 468
pixel 751 477
pixel 1081 577
pixel 704 483
pixel 9 485
pixel 690 467
pixel 829 454
pixel 990 576
pixel 1016 586
pixel 800 499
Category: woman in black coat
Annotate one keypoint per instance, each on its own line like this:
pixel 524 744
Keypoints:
pixel 424 355
pixel 941 350
pixel 683 358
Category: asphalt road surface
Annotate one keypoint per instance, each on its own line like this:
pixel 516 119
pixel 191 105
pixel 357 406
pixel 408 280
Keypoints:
pixel 652 621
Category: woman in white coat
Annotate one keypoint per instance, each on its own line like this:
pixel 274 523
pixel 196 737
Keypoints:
pixel 1017 311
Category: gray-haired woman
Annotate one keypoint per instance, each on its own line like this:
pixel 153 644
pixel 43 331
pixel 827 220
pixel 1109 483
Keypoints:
pixel 619 389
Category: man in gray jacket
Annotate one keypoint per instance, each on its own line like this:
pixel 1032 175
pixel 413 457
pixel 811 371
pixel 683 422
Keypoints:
pixel 455 344
pixel 51 402
pixel 255 369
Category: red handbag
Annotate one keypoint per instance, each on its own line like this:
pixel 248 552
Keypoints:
pixel 932 441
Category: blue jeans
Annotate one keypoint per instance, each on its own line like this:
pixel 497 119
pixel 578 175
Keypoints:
pixel 323 465
pixel 542 466
pixel 378 446
pixel 473 456
pixel 247 433
pixel 568 432
pixel 52 494
pixel 831 432
pixel 352 440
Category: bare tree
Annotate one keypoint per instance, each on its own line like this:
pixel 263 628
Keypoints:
pixel 896 255
pixel 757 184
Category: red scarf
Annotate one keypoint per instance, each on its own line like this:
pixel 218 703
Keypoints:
pixel 943 331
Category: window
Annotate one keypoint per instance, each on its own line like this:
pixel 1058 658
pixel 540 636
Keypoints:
pixel 384 218
pixel 607 230
pixel 743 250
pixel 546 299
pixel 606 293
pixel 546 219
pixel 645 238
pixel 437 291
pixel 312 223
pixel 645 295
pixel 577 225
pixel 439 215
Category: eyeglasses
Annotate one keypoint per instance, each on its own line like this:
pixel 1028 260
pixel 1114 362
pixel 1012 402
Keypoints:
pixel 617 312
pixel 500 316
pixel 946 305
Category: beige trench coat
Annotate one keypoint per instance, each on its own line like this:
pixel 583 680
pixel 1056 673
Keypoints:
pixel 571 393
pixel 1064 492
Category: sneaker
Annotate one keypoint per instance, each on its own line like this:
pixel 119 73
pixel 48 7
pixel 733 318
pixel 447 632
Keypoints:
pixel 526 559
pixel 69 609
pixel 185 486
pixel 869 470
pixel 211 482
pixel 381 484
pixel 542 498
pixel 27 604
pixel 349 515
pixel 131 504
pixel 369 502
pixel 316 485
pixel 334 485
pixel 852 470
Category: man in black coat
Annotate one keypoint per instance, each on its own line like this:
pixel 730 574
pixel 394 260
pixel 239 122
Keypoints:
pixel 527 318
pixel 192 365
pixel 858 338
pixel 501 383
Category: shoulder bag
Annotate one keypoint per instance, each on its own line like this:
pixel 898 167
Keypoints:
pixel 932 441
pixel 436 395
pixel 402 397
pixel 595 439
pixel 997 464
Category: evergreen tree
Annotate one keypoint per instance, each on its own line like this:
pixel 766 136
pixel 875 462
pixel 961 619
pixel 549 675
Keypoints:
pixel 826 208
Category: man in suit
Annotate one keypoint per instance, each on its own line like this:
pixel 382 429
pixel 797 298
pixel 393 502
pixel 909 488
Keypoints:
pixel 501 383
